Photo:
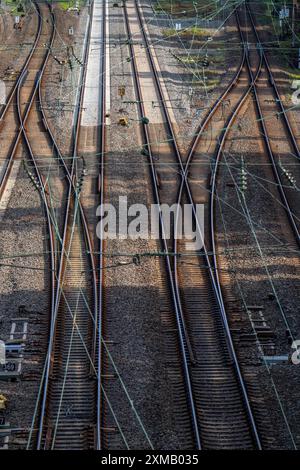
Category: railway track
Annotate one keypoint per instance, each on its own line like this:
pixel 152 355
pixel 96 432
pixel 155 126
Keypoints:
pixel 273 130
pixel 9 120
pixel 93 145
pixel 217 373
pixel 253 64
pixel 209 333
pixel 68 409
pixel 209 364
pixel 23 101
pixel 181 375
pixel 100 261
pixel 260 85
pixel 279 137
pixel 66 414
pixel 255 83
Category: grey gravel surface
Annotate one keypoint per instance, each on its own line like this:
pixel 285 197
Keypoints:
pixel 24 244
pixel 64 78
pixel 15 45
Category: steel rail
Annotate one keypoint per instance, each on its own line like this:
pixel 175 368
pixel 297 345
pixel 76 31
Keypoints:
pixel 44 198
pixel 72 190
pixel 266 139
pixel 71 182
pixel 22 121
pixel 23 134
pixel 24 67
pixel 214 281
pixel 101 181
pixel 273 84
pixel 199 133
pixel 183 339
pixel 214 269
pixel 175 145
pixel 221 143
pixel 220 147
pixel 9 160
pixel 207 119
pixel 209 115
pixel 195 143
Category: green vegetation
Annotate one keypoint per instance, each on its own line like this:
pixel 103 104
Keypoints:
pixel 189 33
pixel 185 7
pixel 280 32
pixel 209 84
pixel 204 76
pixel 293 76
pixel 195 60
pixel 65 5
pixel 18 7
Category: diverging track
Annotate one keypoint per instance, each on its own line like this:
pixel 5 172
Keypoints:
pixel 66 410
pixel 209 366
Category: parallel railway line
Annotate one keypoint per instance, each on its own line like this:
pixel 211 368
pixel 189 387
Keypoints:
pixel 215 405
pixel 66 408
pixel 100 441
pixel 275 125
pixel 195 156
pixel 181 328
pixel 247 66
pixel 263 118
pixel 69 389
pixel 9 120
pixel 20 104
pixel 195 329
